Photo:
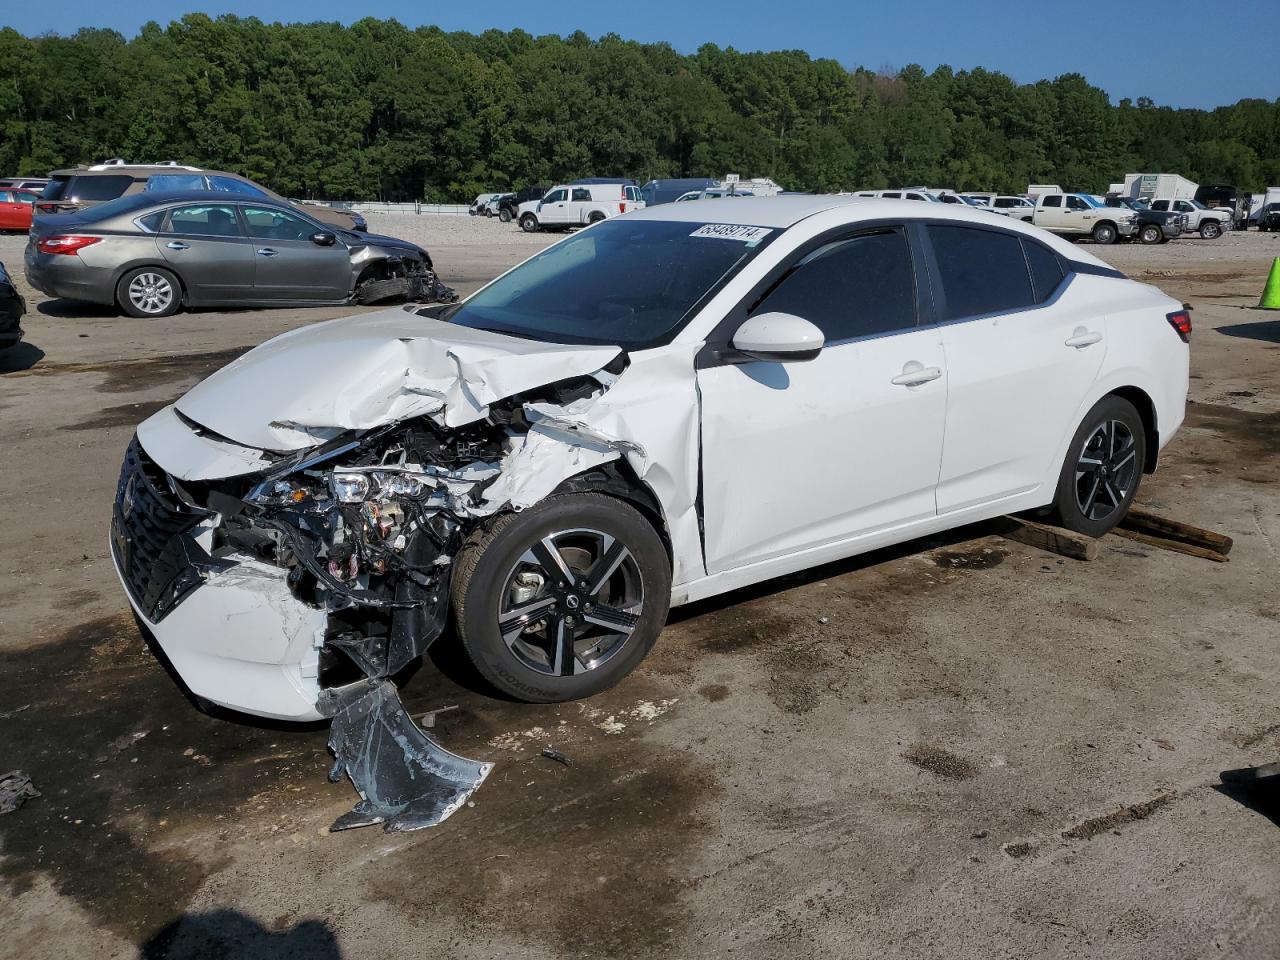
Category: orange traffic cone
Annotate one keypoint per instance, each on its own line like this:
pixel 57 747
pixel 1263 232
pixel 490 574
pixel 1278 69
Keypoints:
pixel 1271 292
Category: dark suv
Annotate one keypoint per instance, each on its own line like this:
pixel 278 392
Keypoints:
pixel 1269 218
pixel 510 204
pixel 1154 226
pixel 74 189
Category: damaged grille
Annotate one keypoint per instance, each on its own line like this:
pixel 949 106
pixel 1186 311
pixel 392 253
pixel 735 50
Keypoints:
pixel 151 537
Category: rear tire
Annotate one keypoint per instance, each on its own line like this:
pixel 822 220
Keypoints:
pixel 595 218
pixel 1103 468
pixel 529 223
pixel 536 640
pixel 1104 233
pixel 504 215
pixel 1210 230
pixel 149 292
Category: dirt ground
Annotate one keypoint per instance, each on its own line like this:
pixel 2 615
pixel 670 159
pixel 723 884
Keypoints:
pixel 964 747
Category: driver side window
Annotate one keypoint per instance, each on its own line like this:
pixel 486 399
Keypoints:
pixel 856 287
pixel 269 223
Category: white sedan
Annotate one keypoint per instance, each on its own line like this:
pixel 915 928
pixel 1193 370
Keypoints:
pixel 660 408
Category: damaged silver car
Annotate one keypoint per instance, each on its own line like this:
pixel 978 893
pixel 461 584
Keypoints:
pixel 660 408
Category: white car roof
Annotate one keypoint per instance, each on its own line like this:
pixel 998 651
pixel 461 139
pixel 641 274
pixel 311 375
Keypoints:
pixel 784 212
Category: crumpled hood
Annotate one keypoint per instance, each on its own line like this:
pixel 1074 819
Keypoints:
pixel 310 384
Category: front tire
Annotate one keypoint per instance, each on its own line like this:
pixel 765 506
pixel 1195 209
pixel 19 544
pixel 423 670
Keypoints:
pixel 1150 234
pixel 1210 230
pixel 1104 233
pixel 529 223
pixel 562 600
pixel 1103 469
pixel 149 292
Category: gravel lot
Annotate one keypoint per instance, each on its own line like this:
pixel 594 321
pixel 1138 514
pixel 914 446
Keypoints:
pixel 963 747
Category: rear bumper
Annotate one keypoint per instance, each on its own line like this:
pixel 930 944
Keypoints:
pixel 66 275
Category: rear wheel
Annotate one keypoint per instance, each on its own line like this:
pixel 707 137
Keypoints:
pixel 562 600
pixel 504 215
pixel 1104 233
pixel 1210 230
pixel 529 223
pixel 595 217
pixel 1151 233
pixel 149 292
pixel 1103 468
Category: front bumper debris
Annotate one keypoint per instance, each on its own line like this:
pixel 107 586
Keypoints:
pixel 406 780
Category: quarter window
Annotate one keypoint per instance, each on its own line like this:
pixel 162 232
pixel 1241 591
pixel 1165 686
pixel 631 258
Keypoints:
pixel 204 220
pixel 1046 269
pixel 856 287
pixel 175 182
pixel 581 195
pixel 982 271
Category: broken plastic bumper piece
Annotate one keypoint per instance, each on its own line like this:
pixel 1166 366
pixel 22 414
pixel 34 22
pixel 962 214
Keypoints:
pixel 406 780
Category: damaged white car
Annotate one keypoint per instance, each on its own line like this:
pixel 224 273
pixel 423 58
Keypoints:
pixel 660 408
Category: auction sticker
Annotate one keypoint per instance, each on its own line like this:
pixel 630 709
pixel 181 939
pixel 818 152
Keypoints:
pixel 732 231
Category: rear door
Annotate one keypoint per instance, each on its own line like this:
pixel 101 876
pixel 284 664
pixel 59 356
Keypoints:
pixel 204 245
pixel 1020 361
pixel 288 263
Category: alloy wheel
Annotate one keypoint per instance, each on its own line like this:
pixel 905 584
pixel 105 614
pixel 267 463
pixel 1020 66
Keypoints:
pixel 1106 470
pixel 151 293
pixel 571 602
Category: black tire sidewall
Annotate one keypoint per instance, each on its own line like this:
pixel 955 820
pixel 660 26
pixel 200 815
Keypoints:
pixel 1210 231
pixel 504 215
pixel 476 601
pixel 1065 509
pixel 529 223
pixel 122 293
pixel 1146 231
pixel 1104 234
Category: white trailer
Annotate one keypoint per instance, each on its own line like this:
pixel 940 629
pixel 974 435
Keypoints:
pixel 1036 190
pixel 1148 185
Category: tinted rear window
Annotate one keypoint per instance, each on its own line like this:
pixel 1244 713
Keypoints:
pixel 175 182
pixel 982 271
pixel 97 188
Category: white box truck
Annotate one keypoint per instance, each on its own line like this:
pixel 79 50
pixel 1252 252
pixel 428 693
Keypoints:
pixel 1149 185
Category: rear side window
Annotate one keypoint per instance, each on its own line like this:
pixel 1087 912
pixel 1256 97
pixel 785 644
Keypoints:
pixel 1160 205
pixel 204 220
pixel 55 188
pixel 982 271
pixel 96 188
pixel 1046 269
pixel 175 182
pixel 1054 201
pixel 151 222
pixel 580 194
pixel 851 288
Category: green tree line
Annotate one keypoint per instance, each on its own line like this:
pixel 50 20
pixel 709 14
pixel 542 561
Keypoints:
pixel 376 110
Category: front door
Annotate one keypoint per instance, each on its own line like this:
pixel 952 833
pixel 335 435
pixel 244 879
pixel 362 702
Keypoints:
pixel 803 454
pixel 553 211
pixel 289 264
pixel 206 248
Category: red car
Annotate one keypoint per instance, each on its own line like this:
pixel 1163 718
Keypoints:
pixel 15 209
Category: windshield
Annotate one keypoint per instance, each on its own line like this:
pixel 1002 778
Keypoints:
pixel 1198 205
pixel 1091 200
pixel 626 282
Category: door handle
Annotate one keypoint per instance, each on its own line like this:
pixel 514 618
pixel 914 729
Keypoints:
pixel 915 373
pixel 267 252
pixel 1081 338
pixel 178 245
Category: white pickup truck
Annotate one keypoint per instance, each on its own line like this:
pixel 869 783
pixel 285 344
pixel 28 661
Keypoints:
pixel 1078 214
pixel 1200 219
pixel 578 205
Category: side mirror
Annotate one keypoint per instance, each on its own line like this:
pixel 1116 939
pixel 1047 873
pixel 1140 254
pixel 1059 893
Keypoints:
pixel 778 336
pixel 324 239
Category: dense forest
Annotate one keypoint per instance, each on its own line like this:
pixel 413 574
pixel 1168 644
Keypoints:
pixel 376 110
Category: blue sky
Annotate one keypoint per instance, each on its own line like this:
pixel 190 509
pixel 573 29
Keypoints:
pixel 1178 52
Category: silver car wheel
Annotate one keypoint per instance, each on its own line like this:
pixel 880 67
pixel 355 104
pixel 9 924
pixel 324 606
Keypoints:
pixel 151 293
pixel 1106 470
pixel 571 602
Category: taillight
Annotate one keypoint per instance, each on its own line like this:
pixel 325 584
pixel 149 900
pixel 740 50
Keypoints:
pixel 1181 323
pixel 64 243
pixel 622 207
